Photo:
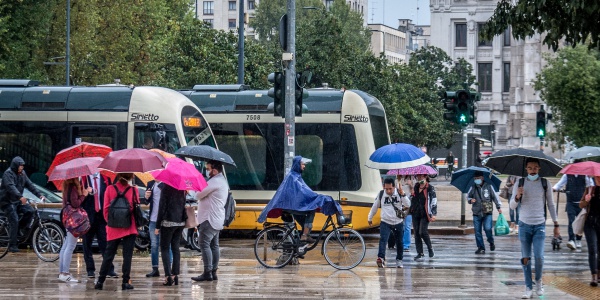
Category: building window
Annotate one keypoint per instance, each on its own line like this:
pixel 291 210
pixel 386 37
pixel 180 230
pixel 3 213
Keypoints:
pixel 461 35
pixel 482 42
pixel 209 22
pixel 231 23
pixel 507 37
pixel 232 5
pixel 208 7
pixel 484 77
pixel 328 4
pixel 250 4
pixel 506 78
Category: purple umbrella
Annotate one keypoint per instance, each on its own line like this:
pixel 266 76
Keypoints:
pixel 422 169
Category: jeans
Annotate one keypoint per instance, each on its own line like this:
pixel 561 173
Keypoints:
pixel 384 234
pixel 305 218
pixel 407 225
pixel 486 223
pixel 154 244
pixel 532 235
pixel 421 225
pixel 209 244
pixel 66 253
pixel 514 213
pixel 98 230
pixel 170 241
pixel 109 256
pixel 12 212
pixel 572 211
pixel 592 236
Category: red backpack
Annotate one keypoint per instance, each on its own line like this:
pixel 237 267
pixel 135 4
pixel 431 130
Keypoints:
pixel 75 220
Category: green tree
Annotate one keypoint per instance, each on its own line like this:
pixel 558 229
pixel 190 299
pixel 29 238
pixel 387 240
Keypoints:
pixel 570 85
pixel 439 67
pixel 571 21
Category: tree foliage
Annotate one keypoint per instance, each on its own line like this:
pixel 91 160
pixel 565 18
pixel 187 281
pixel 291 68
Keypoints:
pixel 570 85
pixel 574 21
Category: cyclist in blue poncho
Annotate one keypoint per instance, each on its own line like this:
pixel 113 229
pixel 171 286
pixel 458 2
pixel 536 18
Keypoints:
pixel 294 196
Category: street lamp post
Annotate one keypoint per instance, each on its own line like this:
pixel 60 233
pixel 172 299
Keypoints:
pixel 68 54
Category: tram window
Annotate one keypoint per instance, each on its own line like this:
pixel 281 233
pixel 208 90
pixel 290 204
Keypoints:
pixel 156 136
pixel 311 146
pixel 34 148
pixel 379 129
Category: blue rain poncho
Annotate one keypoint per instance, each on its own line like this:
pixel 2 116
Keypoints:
pixel 294 194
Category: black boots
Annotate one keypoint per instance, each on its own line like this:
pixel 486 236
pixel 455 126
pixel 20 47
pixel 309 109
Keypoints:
pixel 126 286
pixel 99 284
pixel 214 274
pixel 206 276
pixel 154 272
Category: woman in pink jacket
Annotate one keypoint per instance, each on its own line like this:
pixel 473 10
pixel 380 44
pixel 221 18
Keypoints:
pixel 114 236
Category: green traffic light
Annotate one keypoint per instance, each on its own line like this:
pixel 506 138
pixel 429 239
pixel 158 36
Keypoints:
pixel 541 133
pixel 462 119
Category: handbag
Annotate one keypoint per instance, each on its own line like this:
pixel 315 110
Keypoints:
pixel 504 192
pixel 487 207
pixel 138 213
pixel 75 220
pixel 579 222
pixel 190 222
pixel 400 213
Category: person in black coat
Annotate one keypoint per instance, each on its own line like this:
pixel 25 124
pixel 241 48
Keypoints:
pixel 14 181
pixel 169 223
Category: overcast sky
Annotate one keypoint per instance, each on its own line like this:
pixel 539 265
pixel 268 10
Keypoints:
pixel 398 9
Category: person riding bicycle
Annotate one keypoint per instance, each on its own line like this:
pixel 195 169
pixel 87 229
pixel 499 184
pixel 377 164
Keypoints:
pixel 295 197
pixel 12 202
pixel 450 161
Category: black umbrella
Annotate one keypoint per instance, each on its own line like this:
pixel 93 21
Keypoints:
pixel 203 152
pixel 512 162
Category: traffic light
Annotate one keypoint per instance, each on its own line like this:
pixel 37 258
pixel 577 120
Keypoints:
pixel 475 97
pixel 540 121
pixel 463 107
pixel 450 106
pixel 298 94
pixel 277 93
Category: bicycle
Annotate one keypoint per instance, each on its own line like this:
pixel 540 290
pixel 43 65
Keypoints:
pixel 279 243
pixel 449 171
pixel 46 236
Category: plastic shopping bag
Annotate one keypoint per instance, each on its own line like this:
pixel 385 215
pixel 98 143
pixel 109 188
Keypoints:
pixel 501 227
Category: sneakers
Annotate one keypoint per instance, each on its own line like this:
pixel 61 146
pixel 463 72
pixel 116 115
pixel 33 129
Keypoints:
pixel 480 251
pixel 406 250
pixel 13 249
pixel 492 247
pixel 528 293
pixel 419 257
pixel 113 275
pixel 571 245
pixel 381 262
pixel 91 274
pixel 539 288
pixel 578 244
pixel 431 253
pixel 399 264
pixel 67 278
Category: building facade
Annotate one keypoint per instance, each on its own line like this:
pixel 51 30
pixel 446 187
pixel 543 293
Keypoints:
pixel 505 69
pixel 392 42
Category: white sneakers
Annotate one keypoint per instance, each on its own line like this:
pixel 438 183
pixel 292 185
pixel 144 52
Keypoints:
pixel 571 245
pixel 399 264
pixel 539 288
pixel 528 293
pixel 578 244
pixel 67 278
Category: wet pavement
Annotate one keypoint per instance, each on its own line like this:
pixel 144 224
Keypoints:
pixel 454 273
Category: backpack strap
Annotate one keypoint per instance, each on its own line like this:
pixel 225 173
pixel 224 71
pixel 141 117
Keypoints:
pixel 379 197
pixel 545 186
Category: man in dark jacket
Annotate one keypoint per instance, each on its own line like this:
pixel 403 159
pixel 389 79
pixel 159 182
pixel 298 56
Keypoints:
pixel 483 198
pixel 12 202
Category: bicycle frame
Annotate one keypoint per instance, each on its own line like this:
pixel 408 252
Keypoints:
pixel 291 230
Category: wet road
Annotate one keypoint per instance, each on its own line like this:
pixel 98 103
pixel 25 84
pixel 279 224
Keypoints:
pixel 455 273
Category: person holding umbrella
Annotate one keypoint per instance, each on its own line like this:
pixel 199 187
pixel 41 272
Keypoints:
pixel 534 196
pixel 482 197
pixel 169 223
pixel 591 228
pixel 423 208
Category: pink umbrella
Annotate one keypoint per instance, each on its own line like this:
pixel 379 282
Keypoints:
pixel 78 167
pixel 133 160
pixel 421 169
pixel 588 168
pixel 180 175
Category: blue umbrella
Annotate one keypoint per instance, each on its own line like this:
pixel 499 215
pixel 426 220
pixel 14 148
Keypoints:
pixel 397 156
pixel 463 179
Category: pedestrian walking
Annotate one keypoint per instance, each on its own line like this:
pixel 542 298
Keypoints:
pixel 211 217
pixel 482 198
pixel 94 207
pixel 12 202
pixel 153 194
pixel 423 209
pixel 116 236
pixel 170 221
pixel 534 196
pixel 513 213
pixel 73 194
pixel 591 229
pixel 390 200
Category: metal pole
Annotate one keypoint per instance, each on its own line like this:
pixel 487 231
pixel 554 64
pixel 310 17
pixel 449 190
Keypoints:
pixel 68 55
pixel 463 202
pixel 241 44
pixel 542 144
pixel 290 84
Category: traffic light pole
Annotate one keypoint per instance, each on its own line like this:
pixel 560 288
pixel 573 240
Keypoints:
pixel 542 144
pixel 290 84
pixel 463 202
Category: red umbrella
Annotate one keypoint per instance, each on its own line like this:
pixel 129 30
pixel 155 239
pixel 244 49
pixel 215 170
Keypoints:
pixel 80 150
pixel 133 160
pixel 78 167
pixel 588 168
pixel 181 175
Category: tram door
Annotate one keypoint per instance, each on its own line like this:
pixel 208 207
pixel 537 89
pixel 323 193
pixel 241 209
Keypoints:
pixel 97 134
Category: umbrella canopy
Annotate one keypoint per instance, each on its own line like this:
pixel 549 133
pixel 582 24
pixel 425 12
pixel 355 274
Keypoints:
pixel 147 177
pixel 397 156
pixel 589 168
pixel 203 152
pixel 133 160
pixel 512 162
pixel 583 152
pixel 78 167
pixel 464 179
pixel 422 169
pixel 180 175
pixel 80 150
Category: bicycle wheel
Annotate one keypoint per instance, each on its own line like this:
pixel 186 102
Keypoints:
pixel 274 248
pixel 47 241
pixel 4 239
pixel 344 248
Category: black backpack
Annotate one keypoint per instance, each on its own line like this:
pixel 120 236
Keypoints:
pixel 229 210
pixel 119 211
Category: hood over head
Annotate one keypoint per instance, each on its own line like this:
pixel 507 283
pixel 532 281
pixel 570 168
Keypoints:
pixel 16 162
